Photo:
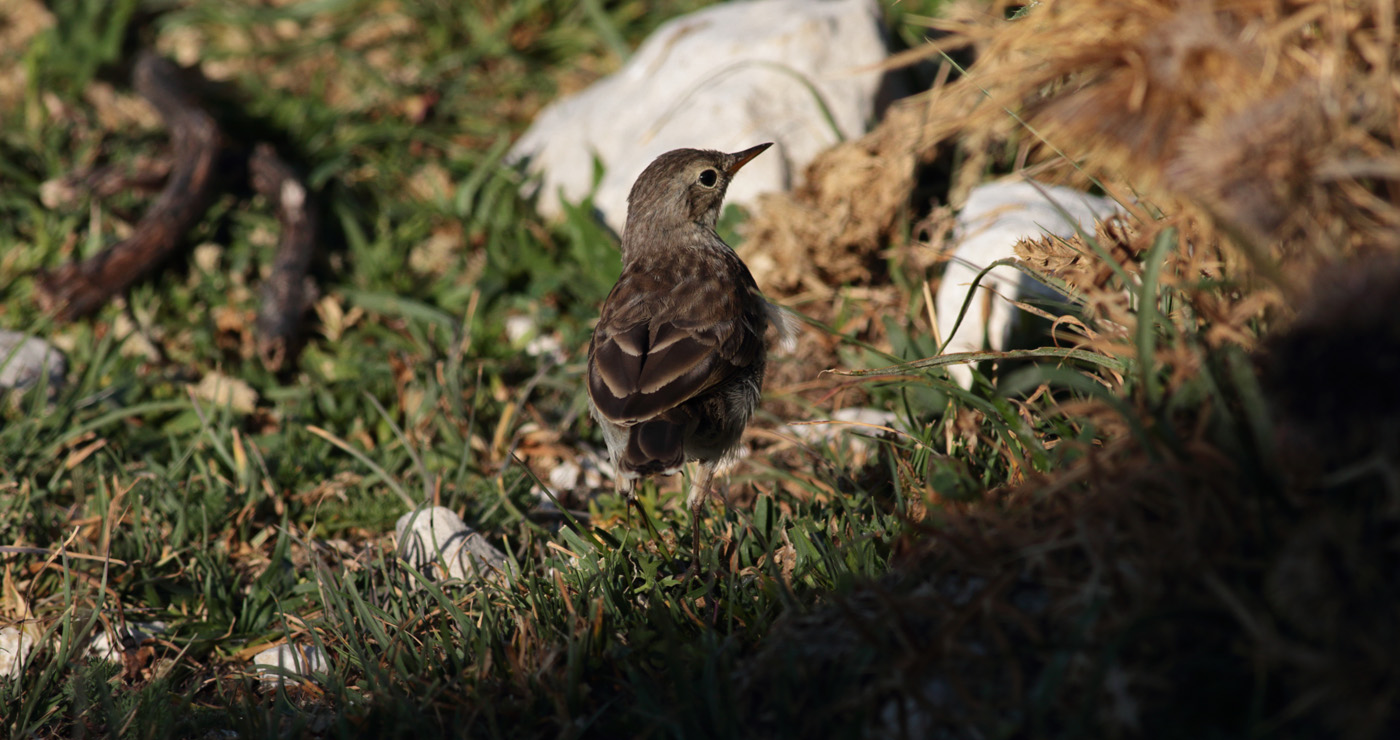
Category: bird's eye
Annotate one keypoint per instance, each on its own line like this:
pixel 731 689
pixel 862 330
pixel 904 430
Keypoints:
pixel 708 178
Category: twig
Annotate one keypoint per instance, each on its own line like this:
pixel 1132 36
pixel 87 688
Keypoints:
pixel 286 294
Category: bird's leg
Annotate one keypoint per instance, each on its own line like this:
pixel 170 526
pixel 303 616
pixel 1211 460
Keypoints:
pixel 646 519
pixel 633 501
pixel 631 486
pixel 627 488
pixel 699 494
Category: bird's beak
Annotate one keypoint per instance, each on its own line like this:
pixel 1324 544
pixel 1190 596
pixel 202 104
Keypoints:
pixel 742 158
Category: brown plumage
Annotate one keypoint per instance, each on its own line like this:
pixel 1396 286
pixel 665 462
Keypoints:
pixel 675 367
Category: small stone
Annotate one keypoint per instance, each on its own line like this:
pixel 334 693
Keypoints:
pixel 596 469
pixel 16 643
pixel 293 660
pixel 107 647
pixel 546 345
pixel 25 359
pixel 853 427
pixel 523 332
pixel 590 471
pixel 565 476
pixel 435 538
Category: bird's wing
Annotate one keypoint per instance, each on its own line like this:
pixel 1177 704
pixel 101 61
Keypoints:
pixel 645 361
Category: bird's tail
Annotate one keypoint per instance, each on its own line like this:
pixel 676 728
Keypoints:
pixel 655 447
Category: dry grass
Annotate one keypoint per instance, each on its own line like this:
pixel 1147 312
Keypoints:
pixel 1200 542
pixel 1233 566
pixel 1273 123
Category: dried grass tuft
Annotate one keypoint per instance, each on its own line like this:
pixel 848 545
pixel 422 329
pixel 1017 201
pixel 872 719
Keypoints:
pixel 1239 559
pixel 1276 119
pixel 830 230
pixel 1272 122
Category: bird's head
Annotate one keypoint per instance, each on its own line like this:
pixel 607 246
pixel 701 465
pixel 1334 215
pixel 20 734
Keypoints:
pixel 682 187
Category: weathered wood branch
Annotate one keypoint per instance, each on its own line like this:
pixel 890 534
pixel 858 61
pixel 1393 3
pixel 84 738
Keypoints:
pixel 287 293
pixel 79 288
pixel 205 160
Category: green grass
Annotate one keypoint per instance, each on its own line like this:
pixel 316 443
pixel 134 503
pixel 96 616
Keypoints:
pixel 832 584
pixel 216 521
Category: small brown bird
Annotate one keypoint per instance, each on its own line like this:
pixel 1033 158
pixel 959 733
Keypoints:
pixel 675 367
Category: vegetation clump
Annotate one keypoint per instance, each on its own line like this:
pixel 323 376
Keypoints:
pixel 1175 518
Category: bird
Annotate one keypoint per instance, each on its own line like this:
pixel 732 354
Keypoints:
pixel 676 361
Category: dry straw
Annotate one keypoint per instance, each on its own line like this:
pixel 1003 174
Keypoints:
pixel 1274 123
pixel 1242 567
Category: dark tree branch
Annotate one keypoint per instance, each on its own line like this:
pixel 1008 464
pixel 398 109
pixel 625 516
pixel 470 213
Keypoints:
pixel 77 289
pixel 199 148
pixel 286 294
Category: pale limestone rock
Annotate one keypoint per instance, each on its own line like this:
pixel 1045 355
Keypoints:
pixel 726 77
pixel 24 359
pixel 439 544
pixel 853 427
pixel 16 643
pixel 995 218
pixel 108 647
pixel 287 659
pixel 589 472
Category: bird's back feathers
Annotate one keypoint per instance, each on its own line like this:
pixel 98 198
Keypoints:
pixel 667 337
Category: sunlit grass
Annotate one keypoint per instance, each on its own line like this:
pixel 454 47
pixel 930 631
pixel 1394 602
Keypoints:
pixel 239 529
pixel 996 561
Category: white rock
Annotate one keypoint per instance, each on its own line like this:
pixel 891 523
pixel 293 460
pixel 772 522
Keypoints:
pixel 23 359
pixel 435 538
pixel 565 476
pixel 597 468
pixel 16 643
pixel 524 333
pixel 726 77
pixel 856 419
pixel 108 647
pixel 295 660
pixel 590 471
pixel 995 218
pixel 852 426
pixel 546 345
